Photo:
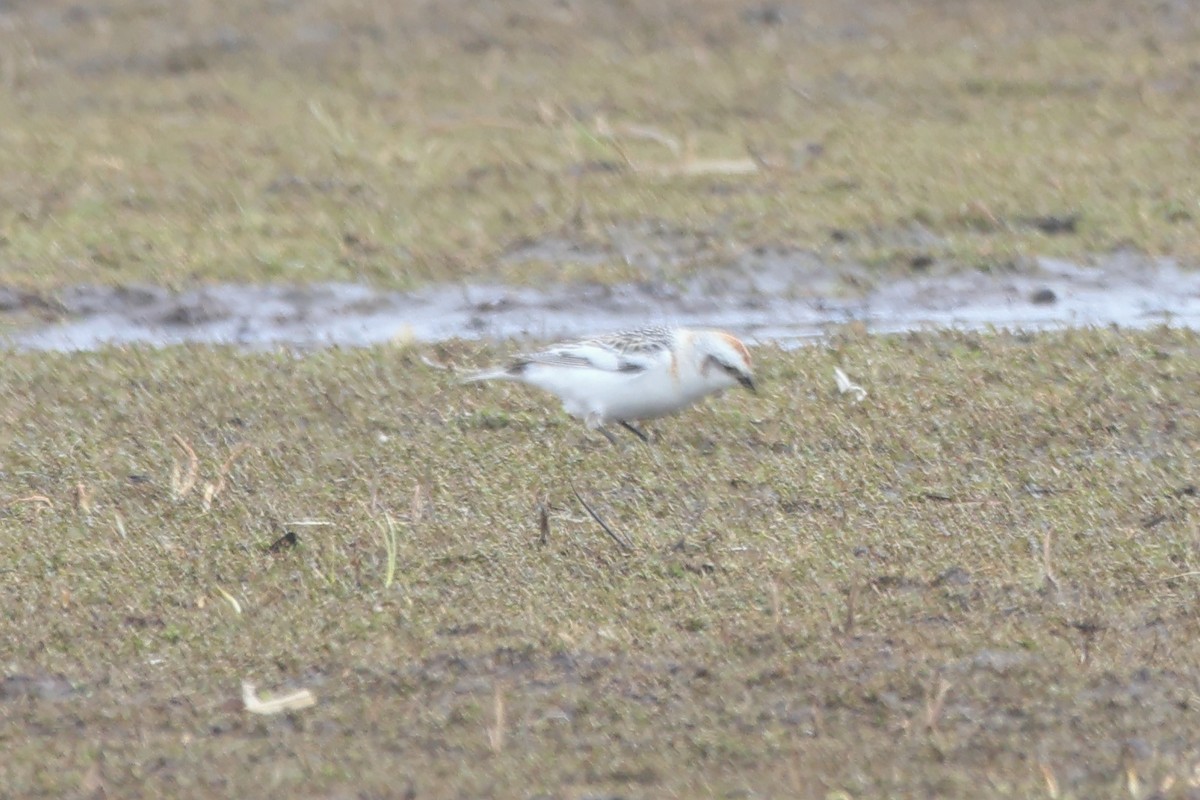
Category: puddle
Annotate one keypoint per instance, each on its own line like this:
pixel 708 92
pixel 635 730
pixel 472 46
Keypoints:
pixel 784 297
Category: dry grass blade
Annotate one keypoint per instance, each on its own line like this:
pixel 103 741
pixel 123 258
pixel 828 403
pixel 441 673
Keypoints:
pixel 231 600
pixel 600 132
pixel 1190 574
pixel 416 506
pixel 648 133
pixel 339 134
pixel 1132 782
pixel 40 503
pixel 776 605
pixel 1051 781
pixel 935 703
pixel 1050 581
pixel 621 540
pixel 211 490
pixel 429 362
pixel 184 480
pixel 295 701
pixel 495 731
pixel 704 166
pixel 83 498
pixel 389 547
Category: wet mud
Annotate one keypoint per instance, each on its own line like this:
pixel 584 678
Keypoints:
pixel 767 296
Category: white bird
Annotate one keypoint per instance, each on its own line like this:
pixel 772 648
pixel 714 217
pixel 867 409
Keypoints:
pixel 632 375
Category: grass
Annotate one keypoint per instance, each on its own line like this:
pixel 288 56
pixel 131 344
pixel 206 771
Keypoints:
pixel 980 575
pixel 979 578
pixel 261 142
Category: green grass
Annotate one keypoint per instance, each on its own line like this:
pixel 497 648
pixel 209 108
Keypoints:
pixel 979 578
pixel 267 142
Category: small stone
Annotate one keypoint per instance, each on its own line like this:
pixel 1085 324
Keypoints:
pixel 1043 297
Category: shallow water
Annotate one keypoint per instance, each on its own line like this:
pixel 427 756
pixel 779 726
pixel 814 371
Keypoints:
pixel 767 297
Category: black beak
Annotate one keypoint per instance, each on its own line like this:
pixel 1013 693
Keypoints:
pixel 747 381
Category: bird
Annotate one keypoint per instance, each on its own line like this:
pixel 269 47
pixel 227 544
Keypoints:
pixel 633 375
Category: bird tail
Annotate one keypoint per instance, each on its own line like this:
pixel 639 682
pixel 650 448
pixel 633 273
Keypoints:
pixel 493 374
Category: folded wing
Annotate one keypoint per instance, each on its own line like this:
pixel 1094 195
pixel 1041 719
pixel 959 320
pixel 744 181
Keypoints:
pixel 590 355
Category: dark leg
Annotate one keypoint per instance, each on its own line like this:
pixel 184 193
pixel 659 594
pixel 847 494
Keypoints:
pixel 608 435
pixel 635 431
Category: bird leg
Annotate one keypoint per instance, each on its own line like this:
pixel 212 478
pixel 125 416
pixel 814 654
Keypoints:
pixel 634 430
pixel 595 422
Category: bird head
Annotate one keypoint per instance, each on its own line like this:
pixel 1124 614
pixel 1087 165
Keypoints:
pixel 723 356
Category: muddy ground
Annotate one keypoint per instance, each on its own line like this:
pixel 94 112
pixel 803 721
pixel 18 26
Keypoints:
pixel 787 298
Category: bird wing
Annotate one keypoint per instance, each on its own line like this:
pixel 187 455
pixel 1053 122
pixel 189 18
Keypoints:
pixel 594 354
pixel 651 340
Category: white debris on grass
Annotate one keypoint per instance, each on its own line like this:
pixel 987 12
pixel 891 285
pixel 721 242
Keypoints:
pixel 295 701
pixel 847 386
